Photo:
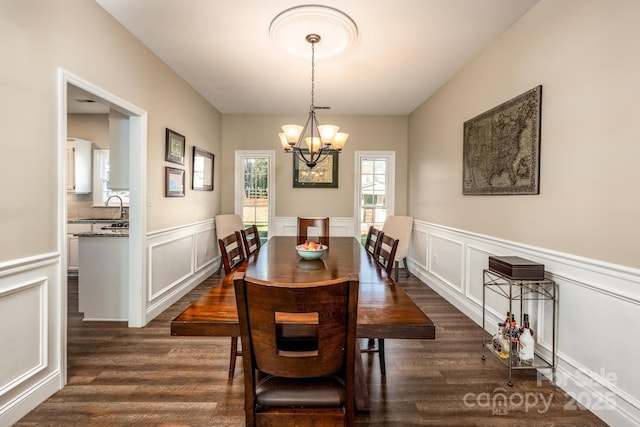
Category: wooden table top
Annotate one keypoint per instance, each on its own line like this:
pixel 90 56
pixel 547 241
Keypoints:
pixel 384 310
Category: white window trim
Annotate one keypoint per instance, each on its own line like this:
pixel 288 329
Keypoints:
pixel 390 156
pixel 98 170
pixel 240 155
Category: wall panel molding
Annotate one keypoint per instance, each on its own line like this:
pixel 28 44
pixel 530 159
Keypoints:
pixel 593 296
pixel 24 307
pixel 29 291
pixel 179 259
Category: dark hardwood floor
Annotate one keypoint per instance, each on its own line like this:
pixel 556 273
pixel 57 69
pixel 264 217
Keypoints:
pixel 145 377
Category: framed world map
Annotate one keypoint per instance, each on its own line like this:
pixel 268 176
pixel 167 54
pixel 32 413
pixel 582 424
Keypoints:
pixel 501 152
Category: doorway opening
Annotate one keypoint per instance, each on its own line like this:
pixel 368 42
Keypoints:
pixel 254 189
pixel 375 189
pixel 137 128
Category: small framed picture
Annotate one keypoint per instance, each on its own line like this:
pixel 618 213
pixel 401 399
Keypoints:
pixel 173 182
pixel 174 150
pixel 202 174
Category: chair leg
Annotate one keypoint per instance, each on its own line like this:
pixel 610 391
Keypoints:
pixel 397 265
pixel 234 355
pixel 383 369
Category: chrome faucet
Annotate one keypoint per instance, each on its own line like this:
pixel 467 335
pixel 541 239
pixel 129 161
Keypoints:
pixel 122 211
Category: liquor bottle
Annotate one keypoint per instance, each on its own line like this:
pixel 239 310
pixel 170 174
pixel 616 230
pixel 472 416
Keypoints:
pixel 514 333
pixel 526 347
pixel 499 342
pixel 507 320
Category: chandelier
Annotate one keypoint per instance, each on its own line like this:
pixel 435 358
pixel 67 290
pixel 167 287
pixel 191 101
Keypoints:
pixel 312 143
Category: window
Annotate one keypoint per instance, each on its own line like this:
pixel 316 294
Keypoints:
pixel 101 190
pixel 254 199
pixel 375 191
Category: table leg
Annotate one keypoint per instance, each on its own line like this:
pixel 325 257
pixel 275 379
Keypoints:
pixel 361 390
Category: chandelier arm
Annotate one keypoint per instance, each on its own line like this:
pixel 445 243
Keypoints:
pixel 298 147
pixel 303 159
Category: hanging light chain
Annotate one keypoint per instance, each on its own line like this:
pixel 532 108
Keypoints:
pixel 313 39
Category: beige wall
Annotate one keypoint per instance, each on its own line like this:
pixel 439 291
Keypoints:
pixel 37 37
pixel 366 133
pixel 586 55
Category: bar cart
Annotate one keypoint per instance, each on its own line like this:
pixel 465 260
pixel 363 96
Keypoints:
pixel 518 291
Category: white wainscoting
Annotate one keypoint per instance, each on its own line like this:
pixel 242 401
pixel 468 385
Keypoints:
pixel 338 226
pixel 597 309
pixel 29 342
pixel 179 259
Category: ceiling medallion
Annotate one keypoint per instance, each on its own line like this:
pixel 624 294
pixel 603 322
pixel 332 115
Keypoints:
pixel 289 29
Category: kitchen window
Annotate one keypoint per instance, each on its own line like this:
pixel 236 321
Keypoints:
pixel 101 190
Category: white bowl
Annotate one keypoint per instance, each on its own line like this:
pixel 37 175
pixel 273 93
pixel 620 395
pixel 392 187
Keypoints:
pixel 311 254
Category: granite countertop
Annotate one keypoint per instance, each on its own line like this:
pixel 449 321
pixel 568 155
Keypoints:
pixel 124 232
pixel 96 220
pixel 98 231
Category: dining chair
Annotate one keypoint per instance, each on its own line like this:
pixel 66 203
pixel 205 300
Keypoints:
pixel 227 224
pixel 400 227
pixel 321 224
pixel 384 256
pixel 373 240
pixel 284 385
pixel 231 251
pixel 232 255
pixel 250 239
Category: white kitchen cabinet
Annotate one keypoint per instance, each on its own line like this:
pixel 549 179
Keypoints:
pixel 72 244
pixel 79 166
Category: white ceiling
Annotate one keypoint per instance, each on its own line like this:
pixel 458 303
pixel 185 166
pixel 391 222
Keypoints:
pixel 405 51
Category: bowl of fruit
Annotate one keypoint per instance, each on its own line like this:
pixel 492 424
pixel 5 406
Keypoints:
pixel 311 250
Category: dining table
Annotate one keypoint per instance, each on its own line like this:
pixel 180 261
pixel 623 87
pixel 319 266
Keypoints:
pixel 384 309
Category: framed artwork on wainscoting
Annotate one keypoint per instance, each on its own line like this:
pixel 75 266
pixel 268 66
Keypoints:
pixel 202 170
pixel 173 182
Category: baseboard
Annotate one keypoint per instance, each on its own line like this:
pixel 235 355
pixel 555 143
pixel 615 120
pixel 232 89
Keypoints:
pixel 24 403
